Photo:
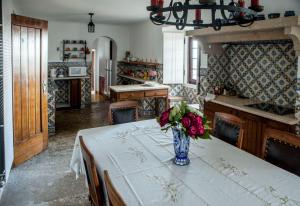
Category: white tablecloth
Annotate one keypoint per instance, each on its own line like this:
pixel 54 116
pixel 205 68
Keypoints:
pixel 138 158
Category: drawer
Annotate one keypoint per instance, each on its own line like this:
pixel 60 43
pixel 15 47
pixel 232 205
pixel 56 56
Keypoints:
pixel 131 95
pixel 156 93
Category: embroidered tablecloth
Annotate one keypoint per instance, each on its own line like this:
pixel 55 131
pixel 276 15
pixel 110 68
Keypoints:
pixel 138 157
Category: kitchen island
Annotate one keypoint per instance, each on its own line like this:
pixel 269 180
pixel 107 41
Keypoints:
pixel 138 92
pixel 255 119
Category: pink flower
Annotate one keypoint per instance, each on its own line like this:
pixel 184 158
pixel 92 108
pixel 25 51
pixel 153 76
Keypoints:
pixel 191 115
pixel 164 118
pixel 186 122
pixel 201 130
pixel 192 131
pixel 198 120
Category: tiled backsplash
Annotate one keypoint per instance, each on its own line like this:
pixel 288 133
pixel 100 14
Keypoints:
pixel 263 70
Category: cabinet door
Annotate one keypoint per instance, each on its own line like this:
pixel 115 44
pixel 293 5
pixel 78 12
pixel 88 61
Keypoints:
pixel 252 141
pixel 75 96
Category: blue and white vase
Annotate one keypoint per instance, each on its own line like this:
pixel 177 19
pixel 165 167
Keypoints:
pixel 181 147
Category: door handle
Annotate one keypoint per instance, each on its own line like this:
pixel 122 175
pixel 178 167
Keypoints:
pixel 44 86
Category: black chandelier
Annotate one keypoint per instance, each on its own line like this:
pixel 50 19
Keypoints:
pixel 237 14
pixel 91 25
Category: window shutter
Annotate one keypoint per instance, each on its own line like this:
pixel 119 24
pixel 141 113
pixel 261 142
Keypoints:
pixel 173 58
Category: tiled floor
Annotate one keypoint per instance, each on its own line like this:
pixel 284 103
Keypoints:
pixel 46 179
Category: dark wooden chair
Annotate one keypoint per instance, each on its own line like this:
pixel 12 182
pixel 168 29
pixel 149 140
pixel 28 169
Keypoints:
pixel 95 184
pixel 114 197
pixel 229 128
pixel 282 149
pixel 123 112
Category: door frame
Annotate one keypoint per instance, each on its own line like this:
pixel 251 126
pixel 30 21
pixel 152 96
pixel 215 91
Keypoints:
pixel 17 20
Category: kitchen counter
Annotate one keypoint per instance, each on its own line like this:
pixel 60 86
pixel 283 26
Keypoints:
pixel 239 104
pixel 137 87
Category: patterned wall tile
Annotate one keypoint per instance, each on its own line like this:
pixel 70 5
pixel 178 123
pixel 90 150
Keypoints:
pixel 263 70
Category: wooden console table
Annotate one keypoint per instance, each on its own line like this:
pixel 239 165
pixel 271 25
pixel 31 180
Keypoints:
pixel 138 92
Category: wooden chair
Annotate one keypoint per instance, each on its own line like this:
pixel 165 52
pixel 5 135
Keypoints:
pixel 94 182
pixel 123 112
pixel 229 128
pixel 114 197
pixel 282 149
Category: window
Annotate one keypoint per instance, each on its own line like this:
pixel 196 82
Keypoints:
pixel 173 58
pixel 194 61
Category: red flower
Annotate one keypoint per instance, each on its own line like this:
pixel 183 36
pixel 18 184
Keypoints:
pixel 192 131
pixel 191 115
pixel 201 130
pixel 164 118
pixel 186 122
pixel 198 121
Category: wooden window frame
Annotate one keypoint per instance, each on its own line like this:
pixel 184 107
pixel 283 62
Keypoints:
pixel 190 62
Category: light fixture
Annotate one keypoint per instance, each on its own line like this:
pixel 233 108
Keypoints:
pixel 91 25
pixel 234 13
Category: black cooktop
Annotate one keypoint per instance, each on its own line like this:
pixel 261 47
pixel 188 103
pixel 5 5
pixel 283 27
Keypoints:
pixel 275 109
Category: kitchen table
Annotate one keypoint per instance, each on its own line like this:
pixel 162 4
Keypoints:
pixel 138 157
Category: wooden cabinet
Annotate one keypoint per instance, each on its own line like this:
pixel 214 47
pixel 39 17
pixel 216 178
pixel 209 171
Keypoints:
pixel 75 95
pixel 254 126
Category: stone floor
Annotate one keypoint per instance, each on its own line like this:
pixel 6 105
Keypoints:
pixel 46 179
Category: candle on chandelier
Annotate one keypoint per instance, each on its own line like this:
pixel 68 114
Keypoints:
pixel 161 6
pixel 241 4
pixel 198 14
pixel 154 3
pixel 254 3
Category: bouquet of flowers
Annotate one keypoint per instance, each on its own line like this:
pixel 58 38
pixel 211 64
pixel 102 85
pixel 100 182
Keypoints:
pixel 188 119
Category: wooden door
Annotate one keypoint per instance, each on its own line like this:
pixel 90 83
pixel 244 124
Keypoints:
pixel 29 58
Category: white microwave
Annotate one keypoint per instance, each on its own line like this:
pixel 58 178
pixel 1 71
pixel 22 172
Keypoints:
pixel 77 71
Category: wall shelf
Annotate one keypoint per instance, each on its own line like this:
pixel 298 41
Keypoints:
pixel 135 78
pixel 138 63
pixel 271 29
pixel 66 53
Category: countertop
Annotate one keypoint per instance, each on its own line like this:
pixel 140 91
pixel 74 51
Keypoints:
pixel 239 104
pixel 137 87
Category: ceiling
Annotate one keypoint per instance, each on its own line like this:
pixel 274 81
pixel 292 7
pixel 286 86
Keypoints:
pixel 106 11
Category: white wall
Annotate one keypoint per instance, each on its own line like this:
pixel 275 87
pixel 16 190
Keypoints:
pixel 7 9
pixel 146 41
pixel 59 31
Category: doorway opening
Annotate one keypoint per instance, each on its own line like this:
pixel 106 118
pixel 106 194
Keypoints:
pixel 104 72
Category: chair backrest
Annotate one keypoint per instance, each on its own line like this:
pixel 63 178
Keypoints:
pixel 123 112
pixel 282 149
pixel 229 128
pixel 114 197
pixel 95 184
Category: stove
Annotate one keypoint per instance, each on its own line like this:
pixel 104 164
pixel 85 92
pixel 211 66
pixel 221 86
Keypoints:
pixel 275 109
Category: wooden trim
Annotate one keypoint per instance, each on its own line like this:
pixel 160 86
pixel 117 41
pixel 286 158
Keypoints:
pixel 279 135
pixel 29 22
pixel 122 105
pixel 232 119
pixel 114 197
pixel 94 185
